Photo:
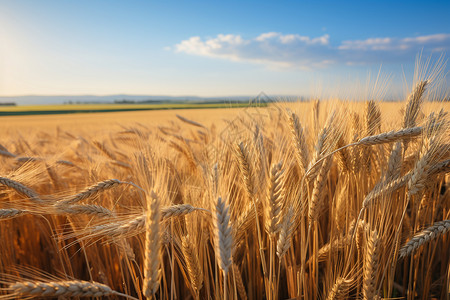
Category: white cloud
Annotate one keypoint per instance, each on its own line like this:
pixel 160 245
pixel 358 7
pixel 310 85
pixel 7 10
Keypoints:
pixel 392 44
pixel 304 52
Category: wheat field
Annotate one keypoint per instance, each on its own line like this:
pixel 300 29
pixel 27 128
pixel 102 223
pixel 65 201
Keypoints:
pixel 315 200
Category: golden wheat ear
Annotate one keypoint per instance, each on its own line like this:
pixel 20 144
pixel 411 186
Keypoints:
pixel 425 236
pixel 192 262
pixel 223 239
pixel 371 263
pixel 152 255
pixel 340 288
pixel 21 189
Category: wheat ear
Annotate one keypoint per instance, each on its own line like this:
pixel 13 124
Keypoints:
pixel 95 210
pixel 92 190
pixel 275 196
pixel 192 263
pixel 285 237
pixel 190 122
pixel 223 240
pixel 373 117
pixel 383 188
pixel 313 166
pixel 413 104
pixel 239 283
pixel 137 224
pixel 391 136
pixel 419 174
pixel 179 210
pixel 394 163
pixel 21 189
pixel 71 288
pixel 317 194
pixel 245 219
pixel 336 245
pixel 425 236
pixel 371 265
pixel 442 167
pixel 152 271
pixel 340 289
pixel 245 168
pixel 299 141
pixel 8 213
pixel 6 153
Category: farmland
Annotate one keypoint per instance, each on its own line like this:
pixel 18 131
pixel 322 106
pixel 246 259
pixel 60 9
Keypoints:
pixel 97 108
pixel 321 199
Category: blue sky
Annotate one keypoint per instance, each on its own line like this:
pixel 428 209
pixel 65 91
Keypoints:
pixel 214 48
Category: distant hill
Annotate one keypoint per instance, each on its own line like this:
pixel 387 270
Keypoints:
pixel 36 100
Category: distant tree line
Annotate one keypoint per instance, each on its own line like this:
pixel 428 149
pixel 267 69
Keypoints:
pixel 8 104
